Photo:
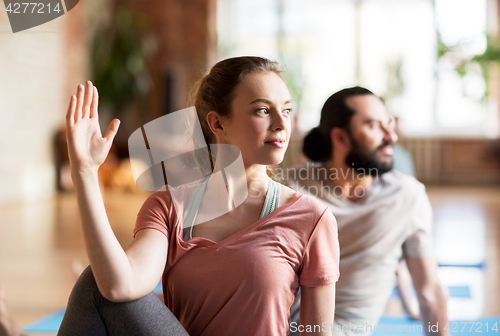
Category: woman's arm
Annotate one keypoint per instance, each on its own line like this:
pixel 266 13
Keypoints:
pixel 317 307
pixel 120 275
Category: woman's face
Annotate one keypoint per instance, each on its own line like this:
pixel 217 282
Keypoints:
pixel 260 120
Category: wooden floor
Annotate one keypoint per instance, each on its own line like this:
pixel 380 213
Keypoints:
pixel 40 240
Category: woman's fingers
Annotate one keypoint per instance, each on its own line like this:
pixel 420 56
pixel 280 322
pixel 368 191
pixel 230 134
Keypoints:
pixel 87 99
pixel 79 102
pixel 95 103
pixel 70 115
pixel 111 131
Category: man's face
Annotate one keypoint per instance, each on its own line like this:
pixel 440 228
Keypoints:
pixel 372 136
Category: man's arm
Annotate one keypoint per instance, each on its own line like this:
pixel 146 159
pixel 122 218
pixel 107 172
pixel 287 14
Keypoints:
pixel 405 288
pixel 432 295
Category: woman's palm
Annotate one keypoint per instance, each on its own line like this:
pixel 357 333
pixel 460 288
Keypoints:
pixel 87 147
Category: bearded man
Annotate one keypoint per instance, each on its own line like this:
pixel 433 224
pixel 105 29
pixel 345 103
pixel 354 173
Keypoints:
pixel 383 215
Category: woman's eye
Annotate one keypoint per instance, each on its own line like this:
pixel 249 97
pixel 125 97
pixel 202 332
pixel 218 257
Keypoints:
pixel 288 110
pixel 263 110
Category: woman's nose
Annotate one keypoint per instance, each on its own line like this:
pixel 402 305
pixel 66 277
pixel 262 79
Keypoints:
pixel 279 120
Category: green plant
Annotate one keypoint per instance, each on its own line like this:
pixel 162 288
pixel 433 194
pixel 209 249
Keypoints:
pixel 119 58
pixel 483 61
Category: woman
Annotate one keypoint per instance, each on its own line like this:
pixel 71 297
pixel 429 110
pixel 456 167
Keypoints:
pixel 236 274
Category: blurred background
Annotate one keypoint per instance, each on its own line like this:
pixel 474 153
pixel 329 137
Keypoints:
pixel 434 62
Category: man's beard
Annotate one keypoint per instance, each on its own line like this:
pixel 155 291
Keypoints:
pixel 366 162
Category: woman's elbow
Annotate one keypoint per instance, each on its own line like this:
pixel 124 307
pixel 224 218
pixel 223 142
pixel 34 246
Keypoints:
pixel 118 293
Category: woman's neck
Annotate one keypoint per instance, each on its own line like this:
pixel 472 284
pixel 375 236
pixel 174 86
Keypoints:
pixel 249 181
pixel 257 180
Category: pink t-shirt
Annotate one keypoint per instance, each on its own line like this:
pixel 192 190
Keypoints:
pixel 246 283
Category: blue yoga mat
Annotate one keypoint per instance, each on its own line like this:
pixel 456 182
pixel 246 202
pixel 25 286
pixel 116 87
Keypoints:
pixel 158 289
pixel 455 291
pixel 401 324
pixel 387 325
pixel 49 324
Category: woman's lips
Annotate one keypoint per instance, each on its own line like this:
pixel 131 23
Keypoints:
pixel 276 143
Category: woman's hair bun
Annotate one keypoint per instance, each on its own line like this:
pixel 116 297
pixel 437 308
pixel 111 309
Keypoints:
pixel 315 147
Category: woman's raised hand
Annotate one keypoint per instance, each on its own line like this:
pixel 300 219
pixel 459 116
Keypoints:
pixel 87 147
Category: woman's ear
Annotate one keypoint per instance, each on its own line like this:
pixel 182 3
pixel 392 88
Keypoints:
pixel 215 124
pixel 340 139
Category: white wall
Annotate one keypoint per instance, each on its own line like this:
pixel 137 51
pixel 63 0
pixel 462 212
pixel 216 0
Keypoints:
pixel 32 106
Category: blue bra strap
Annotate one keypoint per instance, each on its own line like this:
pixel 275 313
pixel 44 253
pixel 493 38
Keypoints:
pixel 270 204
pixel 272 198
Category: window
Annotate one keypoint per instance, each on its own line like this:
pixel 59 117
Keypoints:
pixel 388 46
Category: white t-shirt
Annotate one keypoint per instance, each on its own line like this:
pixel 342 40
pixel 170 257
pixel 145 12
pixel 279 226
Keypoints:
pixel 392 219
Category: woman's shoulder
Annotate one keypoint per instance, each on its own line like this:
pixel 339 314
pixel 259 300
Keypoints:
pixel 287 194
pixel 168 196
